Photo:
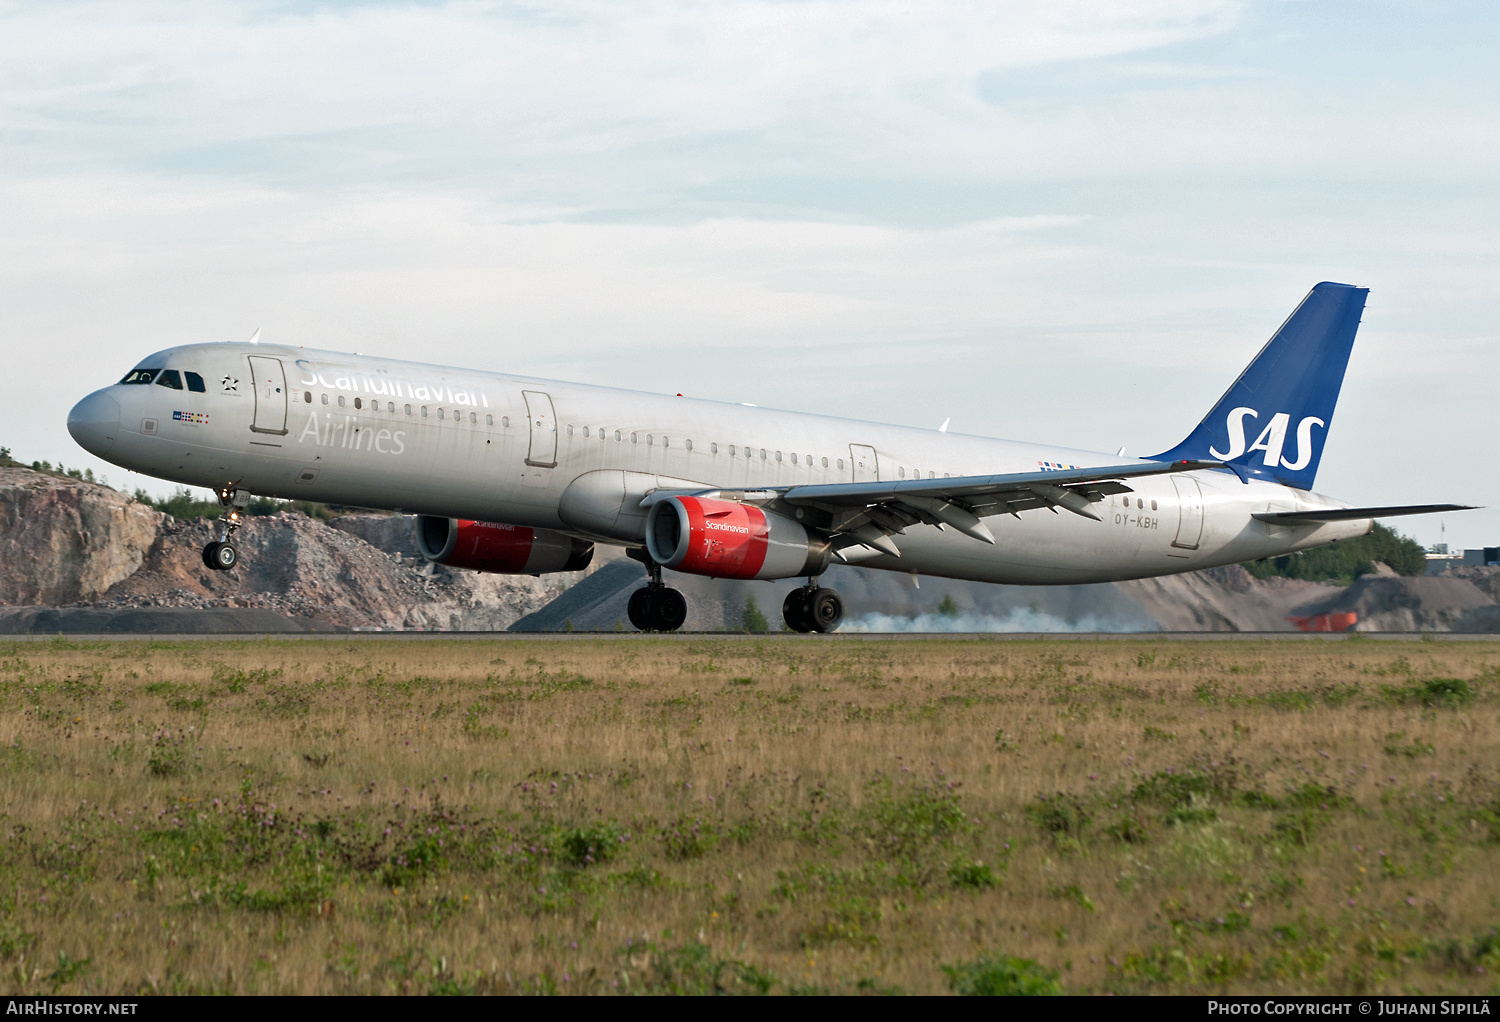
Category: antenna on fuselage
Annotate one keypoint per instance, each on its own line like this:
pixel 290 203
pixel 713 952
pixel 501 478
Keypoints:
pixel 255 337
pixel 944 427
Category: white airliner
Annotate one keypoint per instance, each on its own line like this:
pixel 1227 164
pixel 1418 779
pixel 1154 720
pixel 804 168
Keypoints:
pixel 517 475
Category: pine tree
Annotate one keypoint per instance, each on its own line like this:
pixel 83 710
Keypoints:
pixel 751 619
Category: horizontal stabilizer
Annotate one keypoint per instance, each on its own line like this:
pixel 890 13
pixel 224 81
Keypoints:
pixel 1344 514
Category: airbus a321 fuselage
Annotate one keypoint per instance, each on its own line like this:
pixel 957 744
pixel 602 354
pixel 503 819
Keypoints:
pixel 519 475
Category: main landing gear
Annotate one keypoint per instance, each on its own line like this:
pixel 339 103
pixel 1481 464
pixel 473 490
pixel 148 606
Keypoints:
pixel 812 608
pixel 221 555
pixel 657 608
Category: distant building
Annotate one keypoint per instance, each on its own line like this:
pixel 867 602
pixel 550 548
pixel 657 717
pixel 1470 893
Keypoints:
pixel 1484 556
pixel 1440 560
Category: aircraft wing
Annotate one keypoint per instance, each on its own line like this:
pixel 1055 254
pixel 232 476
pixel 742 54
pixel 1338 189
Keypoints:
pixel 868 513
pixel 1344 514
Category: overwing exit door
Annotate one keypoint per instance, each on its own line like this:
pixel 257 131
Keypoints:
pixel 1190 504
pixel 543 450
pixel 866 468
pixel 270 395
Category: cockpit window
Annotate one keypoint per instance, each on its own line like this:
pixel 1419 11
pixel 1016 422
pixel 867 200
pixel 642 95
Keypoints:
pixel 194 382
pixel 169 378
pixel 140 375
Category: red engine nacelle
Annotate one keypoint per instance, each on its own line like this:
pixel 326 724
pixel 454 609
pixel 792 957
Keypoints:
pixel 502 549
pixel 724 539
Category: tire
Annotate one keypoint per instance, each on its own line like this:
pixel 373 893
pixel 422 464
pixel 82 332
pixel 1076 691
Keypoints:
pixel 208 555
pixel 668 610
pixel 825 610
pixel 225 556
pixel 639 609
pixel 794 611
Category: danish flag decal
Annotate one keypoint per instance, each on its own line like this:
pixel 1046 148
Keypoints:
pixel 1285 397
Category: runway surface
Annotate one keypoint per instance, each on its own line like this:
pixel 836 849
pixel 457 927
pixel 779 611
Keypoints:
pixel 772 636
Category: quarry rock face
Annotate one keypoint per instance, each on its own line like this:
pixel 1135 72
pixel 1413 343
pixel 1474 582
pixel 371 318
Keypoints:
pixel 64 540
pixel 308 568
pixel 105 560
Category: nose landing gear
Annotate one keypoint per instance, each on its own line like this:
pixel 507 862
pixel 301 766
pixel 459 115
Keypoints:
pixel 221 555
pixel 813 608
pixel 656 608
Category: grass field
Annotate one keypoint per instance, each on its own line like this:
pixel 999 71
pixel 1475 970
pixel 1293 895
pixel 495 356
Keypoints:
pixel 784 816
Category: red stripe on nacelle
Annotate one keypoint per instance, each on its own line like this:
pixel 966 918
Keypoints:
pixel 725 539
pixel 489 546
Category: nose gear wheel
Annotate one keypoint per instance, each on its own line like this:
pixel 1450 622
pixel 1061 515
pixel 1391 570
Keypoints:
pixel 221 555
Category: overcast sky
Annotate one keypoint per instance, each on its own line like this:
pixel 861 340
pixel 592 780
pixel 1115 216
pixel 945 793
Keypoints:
pixel 1067 222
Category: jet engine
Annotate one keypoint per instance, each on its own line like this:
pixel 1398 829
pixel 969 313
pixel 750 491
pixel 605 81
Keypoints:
pixel 502 549
pixel 725 539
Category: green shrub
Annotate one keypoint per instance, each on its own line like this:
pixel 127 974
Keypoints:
pixel 1002 976
pixel 692 970
pixel 688 838
pixel 1450 692
pixel 584 846
pixel 1061 815
pixel 973 875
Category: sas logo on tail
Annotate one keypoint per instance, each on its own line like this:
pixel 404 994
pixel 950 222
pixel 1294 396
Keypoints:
pixel 1271 439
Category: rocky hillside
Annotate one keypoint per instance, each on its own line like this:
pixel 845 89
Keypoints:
pixel 70 544
pixel 76 556
pixel 64 540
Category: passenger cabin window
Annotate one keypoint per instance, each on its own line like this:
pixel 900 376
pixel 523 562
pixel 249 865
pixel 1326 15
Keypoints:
pixel 341 400
pixel 169 378
pixel 140 375
pixel 570 429
pixel 713 448
pixel 489 420
pixel 731 450
pixel 689 444
pixel 473 418
pixel 325 399
pixel 195 383
pixel 825 462
pixel 307 396
pixel 585 432
pixel 408 407
pixel 358 403
pixel 841 464
pixel 505 422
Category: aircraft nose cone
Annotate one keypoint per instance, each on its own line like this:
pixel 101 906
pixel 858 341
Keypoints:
pixel 94 421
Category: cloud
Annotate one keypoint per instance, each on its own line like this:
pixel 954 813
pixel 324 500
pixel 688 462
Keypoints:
pixel 1048 220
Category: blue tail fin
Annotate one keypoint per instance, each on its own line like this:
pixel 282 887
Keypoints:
pixel 1273 421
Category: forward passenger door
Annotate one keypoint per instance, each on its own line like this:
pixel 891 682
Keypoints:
pixel 270 395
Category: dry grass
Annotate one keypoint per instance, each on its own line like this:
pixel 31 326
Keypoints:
pixel 786 814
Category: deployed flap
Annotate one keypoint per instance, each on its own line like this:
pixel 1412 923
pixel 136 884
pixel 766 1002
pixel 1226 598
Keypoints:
pixel 1344 514
pixel 968 488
